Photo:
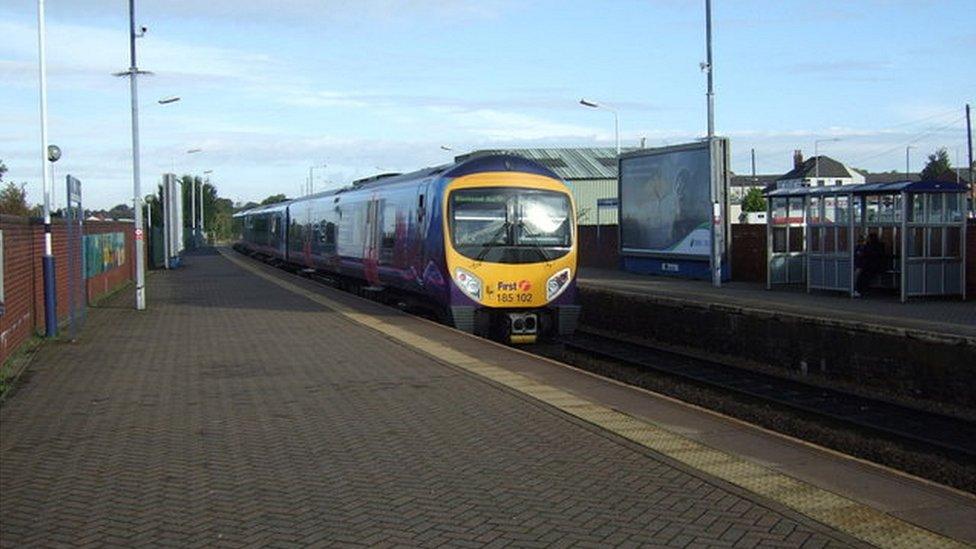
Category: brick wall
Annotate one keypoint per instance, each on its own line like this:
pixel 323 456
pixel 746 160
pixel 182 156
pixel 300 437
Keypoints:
pixel 24 275
pixel 749 253
pixel 20 259
pixel 971 260
pixel 602 252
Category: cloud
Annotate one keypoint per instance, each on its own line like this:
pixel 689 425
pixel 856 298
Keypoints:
pixel 836 68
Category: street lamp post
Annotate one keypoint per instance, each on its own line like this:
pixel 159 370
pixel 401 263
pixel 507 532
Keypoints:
pixel 616 121
pixel 193 201
pixel 311 182
pixel 47 261
pixel 206 182
pixel 816 153
pixel 133 73
pixel 908 157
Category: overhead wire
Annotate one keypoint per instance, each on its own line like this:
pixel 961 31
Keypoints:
pixel 915 139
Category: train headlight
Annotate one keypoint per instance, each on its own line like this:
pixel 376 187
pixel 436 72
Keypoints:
pixel 556 284
pixel 468 283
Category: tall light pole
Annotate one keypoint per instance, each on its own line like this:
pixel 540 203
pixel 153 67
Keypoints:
pixel 816 153
pixel 707 67
pixel 908 159
pixel 133 74
pixel 193 200
pixel 50 305
pixel 169 100
pixel 311 182
pixel 616 121
pixel 206 181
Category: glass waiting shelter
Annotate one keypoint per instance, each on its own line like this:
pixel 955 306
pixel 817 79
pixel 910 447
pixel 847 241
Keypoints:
pixel 813 236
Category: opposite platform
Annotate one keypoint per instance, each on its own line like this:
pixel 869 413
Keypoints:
pixel 244 410
pixel 943 316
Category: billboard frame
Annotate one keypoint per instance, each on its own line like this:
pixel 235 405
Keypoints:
pixel 719 167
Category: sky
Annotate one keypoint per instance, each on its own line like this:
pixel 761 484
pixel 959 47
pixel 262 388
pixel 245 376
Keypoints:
pixel 270 88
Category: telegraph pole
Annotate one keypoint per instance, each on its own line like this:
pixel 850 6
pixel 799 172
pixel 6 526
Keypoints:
pixel 969 146
pixel 969 142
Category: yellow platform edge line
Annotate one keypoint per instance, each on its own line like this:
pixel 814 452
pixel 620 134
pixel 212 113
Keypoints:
pixel 851 517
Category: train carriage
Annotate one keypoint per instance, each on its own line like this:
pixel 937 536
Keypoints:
pixel 489 245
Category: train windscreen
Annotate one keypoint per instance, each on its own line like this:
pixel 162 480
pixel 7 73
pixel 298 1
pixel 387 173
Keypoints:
pixel 510 225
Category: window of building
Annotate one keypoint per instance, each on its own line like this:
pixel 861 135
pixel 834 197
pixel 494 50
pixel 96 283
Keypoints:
pixel 820 182
pixel 838 182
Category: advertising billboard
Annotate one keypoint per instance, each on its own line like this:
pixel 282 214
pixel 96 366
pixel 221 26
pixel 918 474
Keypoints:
pixel 672 201
pixel 103 252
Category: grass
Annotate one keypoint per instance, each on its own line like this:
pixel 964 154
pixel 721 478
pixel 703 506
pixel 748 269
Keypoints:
pixel 16 363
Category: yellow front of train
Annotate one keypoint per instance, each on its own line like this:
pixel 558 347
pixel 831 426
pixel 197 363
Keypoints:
pixel 511 250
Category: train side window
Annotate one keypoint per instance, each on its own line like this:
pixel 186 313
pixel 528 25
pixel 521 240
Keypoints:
pixel 420 208
pixel 329 234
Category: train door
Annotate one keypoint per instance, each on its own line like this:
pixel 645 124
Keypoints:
pixel 371 249
pixel 423 214
pixel 418 240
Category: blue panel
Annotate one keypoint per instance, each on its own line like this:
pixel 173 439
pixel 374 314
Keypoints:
pixel 499 163
pixel 913 275
pixel 681 268
pixel 816 273
pixel 796 264
pixel 933 278
pixel 953 275
pixel 844 275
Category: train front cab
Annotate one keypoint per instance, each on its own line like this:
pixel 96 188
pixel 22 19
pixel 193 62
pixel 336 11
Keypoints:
pixel 511 252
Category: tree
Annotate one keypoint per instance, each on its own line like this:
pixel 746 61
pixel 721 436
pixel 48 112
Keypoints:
pixel 938 166
pixel 3 170
pixel 121 211
pixel 13 200
pixel 754 201
pixel 274 199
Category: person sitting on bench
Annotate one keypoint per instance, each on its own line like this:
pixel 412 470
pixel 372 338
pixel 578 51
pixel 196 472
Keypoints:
pixel 868 260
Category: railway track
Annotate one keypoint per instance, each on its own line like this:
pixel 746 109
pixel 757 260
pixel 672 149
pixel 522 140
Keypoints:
pixel 950 436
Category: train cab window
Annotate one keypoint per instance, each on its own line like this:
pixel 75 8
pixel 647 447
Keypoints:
pixel 508 225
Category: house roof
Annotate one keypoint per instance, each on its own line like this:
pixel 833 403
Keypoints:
pixel 825 167
pixel 569 163
pixel 750 181
pixel 888 177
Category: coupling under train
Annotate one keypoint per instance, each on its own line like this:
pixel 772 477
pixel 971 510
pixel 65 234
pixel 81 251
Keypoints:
pixel 489 245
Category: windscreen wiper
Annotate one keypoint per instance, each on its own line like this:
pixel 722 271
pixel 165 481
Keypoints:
pixel 487 246
pixel 538 248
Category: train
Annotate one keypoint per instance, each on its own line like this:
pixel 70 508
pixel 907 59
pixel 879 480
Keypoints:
pixel 487 245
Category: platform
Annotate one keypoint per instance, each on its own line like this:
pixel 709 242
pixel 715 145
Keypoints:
pixel 942 316
pixel 248 406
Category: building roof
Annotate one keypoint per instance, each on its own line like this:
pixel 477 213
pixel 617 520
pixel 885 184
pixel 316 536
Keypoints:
pixel 749 181
pixel 888 177
pixel 826 167
pixel 893 187
pixel 569 163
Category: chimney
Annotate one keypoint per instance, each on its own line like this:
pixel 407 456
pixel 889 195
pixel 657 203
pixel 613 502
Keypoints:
pixel 797 158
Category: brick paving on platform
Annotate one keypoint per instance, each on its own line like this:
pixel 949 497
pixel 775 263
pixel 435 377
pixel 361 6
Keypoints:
pixel 235 413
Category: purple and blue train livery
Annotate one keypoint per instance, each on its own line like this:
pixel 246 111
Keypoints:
pixel 489 244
